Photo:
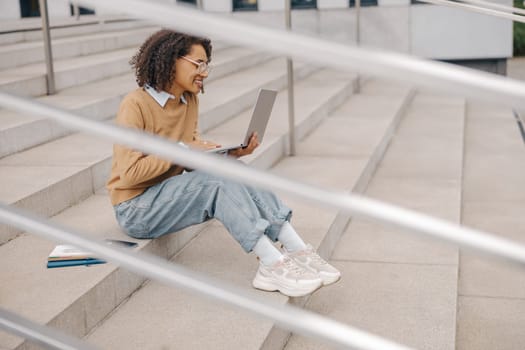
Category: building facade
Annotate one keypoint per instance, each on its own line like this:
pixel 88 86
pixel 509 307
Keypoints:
pixel 429 31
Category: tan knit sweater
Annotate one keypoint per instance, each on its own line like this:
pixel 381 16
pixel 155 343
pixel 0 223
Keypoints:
pixel 132 172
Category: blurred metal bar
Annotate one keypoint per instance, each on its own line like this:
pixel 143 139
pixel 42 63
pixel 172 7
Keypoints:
pixel 473 8
pixel 76 11
pixel 41 335
pixel 50 73
pixel 358 22
pixel 290 79
pixel 488 4
pixel 358 38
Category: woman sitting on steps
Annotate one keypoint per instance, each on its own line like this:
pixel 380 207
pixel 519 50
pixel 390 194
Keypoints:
pixel 153 197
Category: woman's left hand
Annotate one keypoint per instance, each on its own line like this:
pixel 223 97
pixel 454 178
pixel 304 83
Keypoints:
pixel 252 145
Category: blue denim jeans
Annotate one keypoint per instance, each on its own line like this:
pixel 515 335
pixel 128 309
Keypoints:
pixel 195 197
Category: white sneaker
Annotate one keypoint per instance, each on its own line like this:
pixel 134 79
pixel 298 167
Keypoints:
pixel 286 277
pixel 311 261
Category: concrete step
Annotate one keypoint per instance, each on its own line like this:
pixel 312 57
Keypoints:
pixel 99 100
pixel 397 285
pixel 67 183
pixel 491 302
pixel 83 298
pixel 30 29
pixel 30 80
pixel 23 53
pixel 170 316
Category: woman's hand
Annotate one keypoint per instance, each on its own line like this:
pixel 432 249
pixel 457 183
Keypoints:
pixel 252 145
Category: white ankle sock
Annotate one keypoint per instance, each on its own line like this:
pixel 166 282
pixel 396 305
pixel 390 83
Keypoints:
pixel 290 239
pixel 266 251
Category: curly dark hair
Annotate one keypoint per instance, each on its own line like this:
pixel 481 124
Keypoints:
pixel 154 63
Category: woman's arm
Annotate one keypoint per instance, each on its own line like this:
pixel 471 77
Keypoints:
pixel 135 167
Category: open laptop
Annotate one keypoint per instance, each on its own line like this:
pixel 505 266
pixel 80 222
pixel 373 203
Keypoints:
pixel 260 117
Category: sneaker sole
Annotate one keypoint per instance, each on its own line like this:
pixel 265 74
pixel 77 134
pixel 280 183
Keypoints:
pixel 329 279
pixel 270 285
pixel 325 278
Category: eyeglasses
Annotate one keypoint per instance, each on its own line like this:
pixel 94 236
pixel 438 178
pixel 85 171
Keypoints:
pixel 202 67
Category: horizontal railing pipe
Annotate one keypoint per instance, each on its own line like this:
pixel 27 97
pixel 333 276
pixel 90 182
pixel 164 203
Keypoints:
pixel 48 337
pixel 436 75
pixel 474 8
pixel 290 317
pixel 489 4
pixel 349 203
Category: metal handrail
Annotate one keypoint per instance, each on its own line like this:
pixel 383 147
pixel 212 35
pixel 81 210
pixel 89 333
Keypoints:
pixel 42 335
pixel 50 73
pixel 290 317
pixel 488 4
pixel 466 6
pixel 290 83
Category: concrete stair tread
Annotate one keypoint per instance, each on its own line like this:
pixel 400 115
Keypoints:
pixel 24 53
pixel 71 285
pixel 79 149
pixel 155 302
pixel 10 119
pixel 474 301
pixel 28 30
pixel 412 297
pixel 9 25
pixel 117 85
pixel 6 49
pixel 379 298
pixel 61 65
pixel 83 69
pixel 491 296
pixel 37 69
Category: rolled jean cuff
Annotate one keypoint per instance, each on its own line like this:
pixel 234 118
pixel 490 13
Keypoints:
pixel 273 230
pixel 253 237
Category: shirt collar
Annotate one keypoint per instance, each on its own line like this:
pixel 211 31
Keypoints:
pixel 162 97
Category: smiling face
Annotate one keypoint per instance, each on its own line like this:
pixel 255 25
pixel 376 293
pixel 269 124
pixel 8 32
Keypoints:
pixel 186 76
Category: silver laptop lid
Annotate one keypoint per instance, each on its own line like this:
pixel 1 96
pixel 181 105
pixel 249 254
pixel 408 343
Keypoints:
pixel 261 115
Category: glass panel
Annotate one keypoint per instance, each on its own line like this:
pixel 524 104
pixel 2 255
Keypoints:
pixel 304 4
pixel 244 5
pixel 81 10
pixel 192 2
pixel 29 8
pixel 364 3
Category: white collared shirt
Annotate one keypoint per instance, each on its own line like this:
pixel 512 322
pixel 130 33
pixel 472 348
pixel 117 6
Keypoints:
pixel 162 97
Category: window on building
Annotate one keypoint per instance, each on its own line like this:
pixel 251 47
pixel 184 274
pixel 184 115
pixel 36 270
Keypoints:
pixel 192 2
pixel 244 5
pixel 81 10
pixel 364 3
pixel 29 8
pixel 304 4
